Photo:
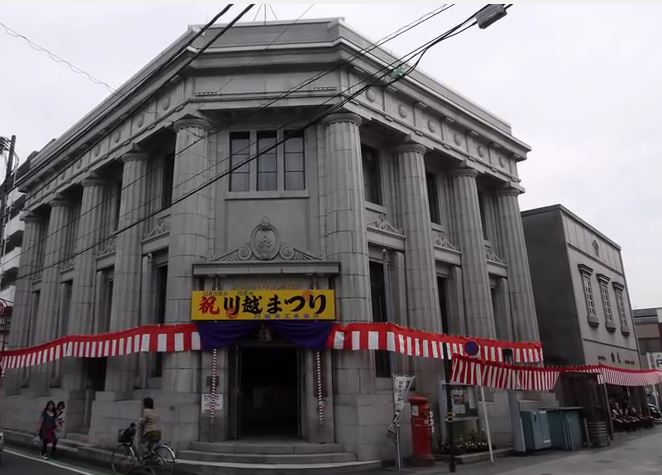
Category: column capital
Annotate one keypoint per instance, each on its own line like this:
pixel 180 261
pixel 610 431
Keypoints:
pixel 464 171
pixel 59 201
pixel 92 180
pixel 190 122
pixel 135 154
pixel 411 147
pixel 31 217
pixel 342 117
pixel 507 191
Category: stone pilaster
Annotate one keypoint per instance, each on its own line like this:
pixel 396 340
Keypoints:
pixel 476 284
pixel 353 372
pixel 513 249
pixel 345 218
pixel 20 330
pixel 421 277
pixel 46 322
pixel 82 311
pixel 125 310
pixel 189 241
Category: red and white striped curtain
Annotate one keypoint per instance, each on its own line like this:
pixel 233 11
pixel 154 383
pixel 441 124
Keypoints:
pixel 411 342
pixel 531 378
pixel 149 338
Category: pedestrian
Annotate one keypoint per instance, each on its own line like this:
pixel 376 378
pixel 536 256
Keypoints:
pixel 150 432
pixel 60 413
pixel 47 428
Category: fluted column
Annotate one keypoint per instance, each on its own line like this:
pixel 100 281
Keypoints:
pixel 513 249
pixel 82 311
pixel 345 218
pixel 476 284
pixel 421 276
pixel 189 240
pixel 125 309
pixel 46 321
pixel 20 329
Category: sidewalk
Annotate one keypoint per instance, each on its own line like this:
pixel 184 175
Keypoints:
pixel 635 453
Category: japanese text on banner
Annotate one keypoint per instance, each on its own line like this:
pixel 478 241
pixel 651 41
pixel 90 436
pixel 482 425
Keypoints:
pixel 262 304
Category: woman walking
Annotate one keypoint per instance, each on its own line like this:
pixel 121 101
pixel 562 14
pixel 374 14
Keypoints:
pixel 47 428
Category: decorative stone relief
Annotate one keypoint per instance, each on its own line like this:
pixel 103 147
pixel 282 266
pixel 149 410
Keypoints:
pixel 402 111
pixel 481 151
pixel 442 242
pixel 371 95
pixel 117 135
pixel 97 150
pixel 432 126
pixel 381 224
pixel 265 245
pixel 491 255
pixel 596 248
pixel 68 264
pixel 107 247
pixel 458 139
pixel 165 102
pixel 161 227
pixel 140 120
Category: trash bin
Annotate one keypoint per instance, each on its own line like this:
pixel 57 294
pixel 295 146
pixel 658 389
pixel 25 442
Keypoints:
pixel 565 427
pixel 536 430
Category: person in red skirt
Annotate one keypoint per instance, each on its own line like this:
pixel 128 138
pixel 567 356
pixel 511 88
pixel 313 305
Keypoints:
pixel 47 428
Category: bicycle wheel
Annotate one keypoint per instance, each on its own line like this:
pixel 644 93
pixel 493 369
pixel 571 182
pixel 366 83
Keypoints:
pixel 123 459
pixel 163 461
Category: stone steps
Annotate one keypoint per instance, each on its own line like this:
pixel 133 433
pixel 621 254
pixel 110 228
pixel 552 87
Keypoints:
pixel 187 466
pixel 271 448
pixel 266 458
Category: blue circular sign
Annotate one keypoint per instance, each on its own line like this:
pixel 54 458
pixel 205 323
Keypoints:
pixel 471 348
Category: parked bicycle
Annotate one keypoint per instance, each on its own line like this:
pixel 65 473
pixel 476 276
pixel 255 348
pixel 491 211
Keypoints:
pixel 158 458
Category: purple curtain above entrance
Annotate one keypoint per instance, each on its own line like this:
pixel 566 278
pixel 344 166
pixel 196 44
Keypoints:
pixel 308 334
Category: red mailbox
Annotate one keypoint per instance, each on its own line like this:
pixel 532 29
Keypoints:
pixel 421 431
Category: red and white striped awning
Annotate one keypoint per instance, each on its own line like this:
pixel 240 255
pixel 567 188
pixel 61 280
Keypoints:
pixel 411 342
pixel 149 338
pixel 496 375
pixel 475 372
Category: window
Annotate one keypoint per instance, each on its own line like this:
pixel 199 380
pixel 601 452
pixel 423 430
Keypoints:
pixel 239 153
pixel 606 304
pixel 483 218
pixel 620 307
pixel 65 306
pixel 295 176
pixel 116 196
pixel 441 289
pixel 167 180
pixel 371 175
pixel 588 294
pixel 267 161
pixel 161 285
pixel 378 294
pixel 433 197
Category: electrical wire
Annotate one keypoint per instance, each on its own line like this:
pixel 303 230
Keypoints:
pixel 332 109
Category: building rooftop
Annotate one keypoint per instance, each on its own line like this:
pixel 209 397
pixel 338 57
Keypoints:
pixel 559 208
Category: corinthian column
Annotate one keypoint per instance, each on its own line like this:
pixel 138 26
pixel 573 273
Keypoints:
pixel 46 322
pixel 476 284
pixel 189 241
pixel 125 308
pixel 21 329
pixel 513 249
pixel 82 315
pixel 421 276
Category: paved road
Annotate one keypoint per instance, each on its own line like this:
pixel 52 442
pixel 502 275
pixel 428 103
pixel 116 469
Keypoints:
pixel 638 453
pixel 20 462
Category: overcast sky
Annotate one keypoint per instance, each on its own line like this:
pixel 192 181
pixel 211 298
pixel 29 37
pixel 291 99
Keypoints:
pixel 580 83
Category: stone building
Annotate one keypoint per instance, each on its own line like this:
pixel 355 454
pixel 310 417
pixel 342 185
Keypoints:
pixel 580 289
pixel 405 203
pixel 648 327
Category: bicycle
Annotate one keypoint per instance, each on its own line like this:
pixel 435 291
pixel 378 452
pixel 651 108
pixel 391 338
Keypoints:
pixel 158 458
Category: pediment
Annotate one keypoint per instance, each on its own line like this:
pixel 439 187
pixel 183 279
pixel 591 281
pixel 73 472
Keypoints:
pixel 265 245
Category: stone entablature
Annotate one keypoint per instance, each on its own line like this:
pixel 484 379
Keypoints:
pixel 437 118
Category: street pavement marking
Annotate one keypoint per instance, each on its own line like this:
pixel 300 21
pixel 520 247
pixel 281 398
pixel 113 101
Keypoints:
pixel 50 462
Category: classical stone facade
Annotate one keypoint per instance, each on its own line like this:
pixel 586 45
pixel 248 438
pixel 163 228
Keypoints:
pixel 405 203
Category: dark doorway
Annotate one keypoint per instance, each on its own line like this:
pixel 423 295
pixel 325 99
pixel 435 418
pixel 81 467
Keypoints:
pixel 268 402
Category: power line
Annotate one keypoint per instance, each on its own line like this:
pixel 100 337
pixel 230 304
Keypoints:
pixel 265 105
pixel 318 118
pixel 56 58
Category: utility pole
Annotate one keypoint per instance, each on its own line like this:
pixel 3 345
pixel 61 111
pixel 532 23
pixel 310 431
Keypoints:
pixel 4 219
